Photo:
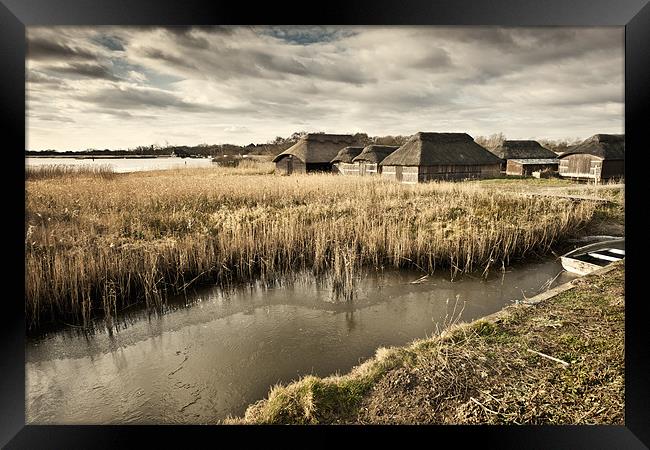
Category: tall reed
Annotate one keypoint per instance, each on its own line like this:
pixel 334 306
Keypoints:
pixel 66 170
pixel 102 245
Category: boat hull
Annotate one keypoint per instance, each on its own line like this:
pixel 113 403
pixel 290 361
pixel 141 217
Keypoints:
pixel 578 267
pixel 585 260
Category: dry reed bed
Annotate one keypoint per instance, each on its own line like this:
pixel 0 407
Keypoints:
pixel 46 171
pixel 104 244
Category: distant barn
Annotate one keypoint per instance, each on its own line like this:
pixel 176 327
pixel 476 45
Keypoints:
pixel 342 162
pixel 313 152
pixel 368 160
pixel 526 167
pixel 522 150
pixel 439 156
pixel 600 157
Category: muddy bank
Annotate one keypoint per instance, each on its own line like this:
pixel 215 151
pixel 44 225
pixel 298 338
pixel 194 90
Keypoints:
pixel 560 361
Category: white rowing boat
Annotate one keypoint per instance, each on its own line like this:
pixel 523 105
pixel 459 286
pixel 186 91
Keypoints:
pixel 592 257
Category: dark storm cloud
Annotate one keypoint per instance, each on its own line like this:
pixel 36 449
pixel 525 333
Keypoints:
pixel 591 98
pixel 89 70
pixel 211 81
pixel 308 67
pixel 128 97
pixel 226 62
pixel 155 53
pixel 306 35
pixel 35 77
pixel 184 36
pixel 435 59
pixel 52 118
pixel 44 49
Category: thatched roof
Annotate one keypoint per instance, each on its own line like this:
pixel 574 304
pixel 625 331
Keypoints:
pixel 317 147
pixel 431 149
pixel 346 154
pixel 375 153
pixel 606 146
pixel 522 150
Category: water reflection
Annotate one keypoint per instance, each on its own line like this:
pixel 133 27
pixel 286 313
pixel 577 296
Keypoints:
pixel 212 354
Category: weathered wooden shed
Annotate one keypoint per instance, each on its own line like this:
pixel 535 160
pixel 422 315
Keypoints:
pixel 313 152
pixel 521 150
pixel 526 167
pixel 600 157
pixel 342 162
pixel 440 156
pixel 368 160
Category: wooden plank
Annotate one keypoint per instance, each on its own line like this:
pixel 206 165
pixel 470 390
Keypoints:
pixel 603 257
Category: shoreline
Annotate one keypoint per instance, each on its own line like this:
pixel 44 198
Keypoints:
pixel 539 362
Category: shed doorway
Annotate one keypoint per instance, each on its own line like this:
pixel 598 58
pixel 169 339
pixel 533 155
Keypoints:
pixel 290 165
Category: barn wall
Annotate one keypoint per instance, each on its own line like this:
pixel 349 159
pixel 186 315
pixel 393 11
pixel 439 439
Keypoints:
pixel 590 167
pixel 368 169
pixel 515 168
pixel 299 166
pixel 351 169
pixel 458 172
pixel 613 169
pixel 580 166
pixel 284 164
pixel 414 174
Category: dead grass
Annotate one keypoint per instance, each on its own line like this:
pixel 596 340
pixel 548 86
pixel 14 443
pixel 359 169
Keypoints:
pixel 99 245
pixel 485 372
pixel 47 171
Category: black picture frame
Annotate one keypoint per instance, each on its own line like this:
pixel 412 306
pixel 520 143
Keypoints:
pixel 15 15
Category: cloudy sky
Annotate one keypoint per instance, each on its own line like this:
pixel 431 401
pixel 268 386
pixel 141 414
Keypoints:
pixel 120 87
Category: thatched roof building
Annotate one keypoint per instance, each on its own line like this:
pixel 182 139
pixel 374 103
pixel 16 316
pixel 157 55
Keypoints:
pixel 375 153
pixel 428 149
pixel 602 156
pixel 523 150
pixel 313 152
pixel 605 146
pixel 526 166
pixel 428 156
pixel 347 154
pixel 368 160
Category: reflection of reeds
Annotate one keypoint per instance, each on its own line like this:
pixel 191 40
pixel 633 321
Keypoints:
pixel 147 235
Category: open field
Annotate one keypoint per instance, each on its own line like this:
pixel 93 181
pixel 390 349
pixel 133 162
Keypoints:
pixel 99 244
pixel 560 361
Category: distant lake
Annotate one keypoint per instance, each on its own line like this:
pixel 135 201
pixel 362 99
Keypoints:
pixel 122 165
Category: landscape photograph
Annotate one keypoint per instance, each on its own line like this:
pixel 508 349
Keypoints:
pixel 304 225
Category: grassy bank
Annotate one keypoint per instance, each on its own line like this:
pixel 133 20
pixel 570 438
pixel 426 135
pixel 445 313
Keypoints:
pixel 495 371
pixel 96 244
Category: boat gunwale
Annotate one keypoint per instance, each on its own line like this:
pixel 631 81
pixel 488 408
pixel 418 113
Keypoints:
pixel 592 247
